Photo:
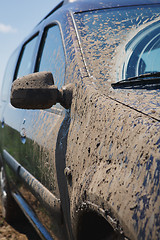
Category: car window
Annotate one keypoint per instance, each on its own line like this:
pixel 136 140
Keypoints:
pixel 27 54
pixel 9 74
pixel 51 56
pixel 105 37
pixel 142 52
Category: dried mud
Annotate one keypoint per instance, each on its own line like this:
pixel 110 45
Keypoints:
pixel 113 154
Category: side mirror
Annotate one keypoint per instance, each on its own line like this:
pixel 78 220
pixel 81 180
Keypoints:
pixel 37 91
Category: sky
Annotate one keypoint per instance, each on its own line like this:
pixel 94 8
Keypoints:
pixel 17 19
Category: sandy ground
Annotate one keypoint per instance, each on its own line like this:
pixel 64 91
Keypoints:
pixel 18 231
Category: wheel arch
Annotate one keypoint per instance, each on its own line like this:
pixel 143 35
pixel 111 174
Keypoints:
pixel 92 222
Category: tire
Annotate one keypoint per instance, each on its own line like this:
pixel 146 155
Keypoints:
pixel 10 209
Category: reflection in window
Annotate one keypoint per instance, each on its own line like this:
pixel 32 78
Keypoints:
pixel 9 74
pixel 151 54
pixel 27 58
pixel 143 52
pixel 51 57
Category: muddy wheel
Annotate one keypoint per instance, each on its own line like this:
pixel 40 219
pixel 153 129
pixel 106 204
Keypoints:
pixel 10 210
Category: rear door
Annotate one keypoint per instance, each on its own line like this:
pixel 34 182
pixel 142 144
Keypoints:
pixel 12 118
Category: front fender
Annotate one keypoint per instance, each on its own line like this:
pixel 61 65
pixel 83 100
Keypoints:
pixel 113 154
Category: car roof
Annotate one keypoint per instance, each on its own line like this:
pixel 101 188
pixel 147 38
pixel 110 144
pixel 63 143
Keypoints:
pixel 111 3
pixel 84 5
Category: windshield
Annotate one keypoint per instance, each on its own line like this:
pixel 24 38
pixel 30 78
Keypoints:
pixel 120 43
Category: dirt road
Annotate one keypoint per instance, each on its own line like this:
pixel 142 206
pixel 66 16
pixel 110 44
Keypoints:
pixel 17 231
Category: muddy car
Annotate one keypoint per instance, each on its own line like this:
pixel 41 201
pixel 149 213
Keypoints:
pixel 80 123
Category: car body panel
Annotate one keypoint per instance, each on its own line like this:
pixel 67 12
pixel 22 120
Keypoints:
pixel 83 5
pixel 144 102
pixel 112 161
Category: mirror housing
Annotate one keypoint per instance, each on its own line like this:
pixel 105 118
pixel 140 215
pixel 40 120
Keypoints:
pixel 37 91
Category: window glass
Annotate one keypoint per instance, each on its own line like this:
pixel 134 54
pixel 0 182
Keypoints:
pixel 51 57
pixel 143 52
pixel 26 58
pixel 120 43
pixel 9 74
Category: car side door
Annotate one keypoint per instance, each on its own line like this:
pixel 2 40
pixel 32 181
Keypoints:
pixel 41 129
pixel 12 118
